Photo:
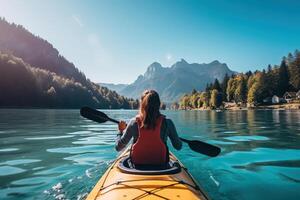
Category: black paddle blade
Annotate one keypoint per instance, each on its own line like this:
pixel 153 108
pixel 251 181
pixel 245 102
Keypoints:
pixel 198 146
pixel 93 115
pixel 202 147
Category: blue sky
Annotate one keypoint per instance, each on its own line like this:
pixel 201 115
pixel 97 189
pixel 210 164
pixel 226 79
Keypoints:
pixel 115 40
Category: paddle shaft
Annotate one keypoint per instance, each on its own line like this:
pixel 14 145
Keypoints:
pixel 195 145
pixel 113 120
pixel 117 122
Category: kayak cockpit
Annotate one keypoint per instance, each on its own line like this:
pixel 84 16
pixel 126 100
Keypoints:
pixel 125 165
pixel 122 181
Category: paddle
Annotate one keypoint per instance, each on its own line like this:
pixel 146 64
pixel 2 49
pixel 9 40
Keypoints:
pixel 195 145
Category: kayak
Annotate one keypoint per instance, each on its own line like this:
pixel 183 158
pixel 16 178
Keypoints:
pixel 122 181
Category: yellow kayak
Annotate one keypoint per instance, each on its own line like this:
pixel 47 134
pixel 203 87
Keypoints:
pixel 121 181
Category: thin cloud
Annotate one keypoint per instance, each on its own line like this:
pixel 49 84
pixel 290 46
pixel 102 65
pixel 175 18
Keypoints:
pixel 77 20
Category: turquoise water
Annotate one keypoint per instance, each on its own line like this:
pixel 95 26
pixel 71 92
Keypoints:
pixel 56 154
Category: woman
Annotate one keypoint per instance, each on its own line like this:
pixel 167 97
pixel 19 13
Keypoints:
pixel 149 130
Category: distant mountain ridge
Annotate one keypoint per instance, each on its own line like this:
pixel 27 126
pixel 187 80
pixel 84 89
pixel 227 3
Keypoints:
pixel 113 87
pixel 34 74
pixel 180 78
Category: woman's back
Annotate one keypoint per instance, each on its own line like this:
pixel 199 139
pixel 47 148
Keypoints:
pixel 167 130
pixel 149 131
pixel 149 148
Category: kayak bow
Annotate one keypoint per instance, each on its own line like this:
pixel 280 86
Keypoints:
pixel 122 182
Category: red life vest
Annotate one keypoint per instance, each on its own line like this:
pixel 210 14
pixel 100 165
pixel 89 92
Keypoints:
pixel 149 149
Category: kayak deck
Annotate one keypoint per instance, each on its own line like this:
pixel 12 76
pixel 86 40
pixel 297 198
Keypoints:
pixel 116 184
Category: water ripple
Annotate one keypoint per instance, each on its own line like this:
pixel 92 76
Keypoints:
pixel 20 162
pixel 246 138
pixel 41 149
pixel 9 149
pixel 76 149
pixel 8 170
pixel 49 137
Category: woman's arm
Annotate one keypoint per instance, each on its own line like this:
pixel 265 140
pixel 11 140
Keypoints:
pixel 123 139
pixel 172 133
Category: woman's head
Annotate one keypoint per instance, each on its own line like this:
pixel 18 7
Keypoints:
pixel 149 108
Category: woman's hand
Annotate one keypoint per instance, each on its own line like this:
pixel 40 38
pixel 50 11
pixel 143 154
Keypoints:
pixel 122 126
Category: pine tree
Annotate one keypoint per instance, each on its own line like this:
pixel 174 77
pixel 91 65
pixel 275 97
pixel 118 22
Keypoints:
pixel 194 91
pixel 216 85
pixel 269 82
pixel 283 79
pixel 290 58
pixel 207 88
pixel 295 72
pixel 269 68
pixel 224 86
pixel 264 88
pixel 249 73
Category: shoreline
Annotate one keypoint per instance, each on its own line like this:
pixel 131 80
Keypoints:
pixel 286 106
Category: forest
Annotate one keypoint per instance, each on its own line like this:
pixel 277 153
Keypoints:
pixel 33 74
pixel 22 85
pixel 247 89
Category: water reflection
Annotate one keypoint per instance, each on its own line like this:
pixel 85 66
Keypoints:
pixel 48 154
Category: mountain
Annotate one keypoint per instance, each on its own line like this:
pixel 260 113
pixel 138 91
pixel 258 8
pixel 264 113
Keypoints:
pixel 34 74
pixel 180 78
pixel 113 87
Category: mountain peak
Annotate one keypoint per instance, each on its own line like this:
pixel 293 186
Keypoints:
pixel 215 62
pixel 155 65
pixel 154 69
pixel 172 82
pixel 183 61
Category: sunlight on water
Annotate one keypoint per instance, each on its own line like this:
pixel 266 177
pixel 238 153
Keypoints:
pixel 8 149
pixel 19 162
pixel 56 154
pixel 246 138
pixel 48 137
pixel 8 170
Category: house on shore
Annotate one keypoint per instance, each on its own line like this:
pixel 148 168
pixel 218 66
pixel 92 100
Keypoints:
pixel 276 99
pixel 290 96
pixel 298 95
pixel 273 100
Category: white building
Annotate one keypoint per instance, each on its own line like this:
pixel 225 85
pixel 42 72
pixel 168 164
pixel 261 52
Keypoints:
pixel 298 95
pixel 275 99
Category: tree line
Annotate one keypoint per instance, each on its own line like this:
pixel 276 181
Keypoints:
pixel 22 85
pixel 249 88
pixel 34 74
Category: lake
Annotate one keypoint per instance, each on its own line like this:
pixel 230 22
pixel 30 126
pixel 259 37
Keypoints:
pixel 57 154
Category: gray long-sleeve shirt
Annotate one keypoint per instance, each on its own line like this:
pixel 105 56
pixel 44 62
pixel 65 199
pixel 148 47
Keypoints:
pixel 167 130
